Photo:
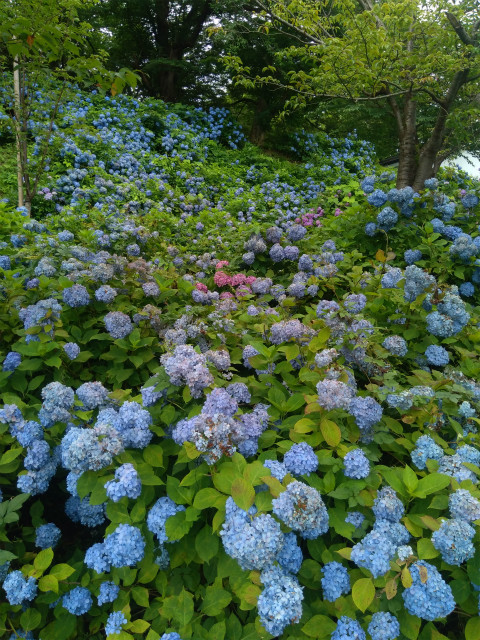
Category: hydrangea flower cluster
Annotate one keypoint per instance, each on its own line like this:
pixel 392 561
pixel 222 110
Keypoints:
pixel 396 345
pixel 348 629
pixel 384 626
pixel 463 506
pixel 108 592
pixel 118 324
pixel 302 509
pixel 12 361
pixel 429 597
pixel 186 366
pixel 449 318
pixel 216 432
pixel 158 515
pixel 253 540
pixel 41 315
pixel 47 535
pixel 115 622
pixel 77 601
pixel 122 548
pixel 356 464
pixel 454 541
pixel 425 449
pixel 300 459
pixel 126 483
pixel 280 602
pixel 437 356
pixel 19 590
pixel 335 581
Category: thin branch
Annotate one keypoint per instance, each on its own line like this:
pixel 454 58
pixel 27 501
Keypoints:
pixel 459 29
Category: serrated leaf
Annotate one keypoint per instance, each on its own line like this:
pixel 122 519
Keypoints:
pixel 30 619
pixel 61 571
pixel 243 493
pixel 215 601
pixel 331 432
pixel 319 626
pixel 410 479
pixel 363 593
pixel 206 543
pixel 406 578
pixel 472 629
pixel 43 560
pixel 391 589
pixel 431 484
pixel 48 583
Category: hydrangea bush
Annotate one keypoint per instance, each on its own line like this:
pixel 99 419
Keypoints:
pixel 239 396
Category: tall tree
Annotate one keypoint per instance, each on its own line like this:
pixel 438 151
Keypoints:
pixel 44 46
pixel 421 61
pixel 158 37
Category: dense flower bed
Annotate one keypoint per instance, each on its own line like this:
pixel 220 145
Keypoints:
pixel 239 395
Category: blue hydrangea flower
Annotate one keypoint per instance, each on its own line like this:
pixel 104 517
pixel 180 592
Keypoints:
pixel 357 465
pixel 19 590
pixel 47 535
pixel 300 459
pixel 384 626
pixel 76 296
pixel 396 345
pixel 335 581
pixel 254 541
pixel 72 350
pixel 105 294
pixel 118 324
pixel 430 598
pixel 387 218
pixel 302 509
pixel 404 552
pixel 77 601
pixel 391 278
pixel 333 394
pixel 92 395
pixel 158 516
pixel 463 506
pixel 412 255
pixel 108 592
pixel 290 556
pixel 437 356
pixel 280 602
pixel 126 483
pixel 356 518
pixel 425 449
pixel 12 360
pixel 377 198
pixel 387 506
pixel 348 629
pixel 115 622
pixel 454 541
pixel 366 411
pixel 466 289
pixel 125 546
pixel 370 229
pixel 277 469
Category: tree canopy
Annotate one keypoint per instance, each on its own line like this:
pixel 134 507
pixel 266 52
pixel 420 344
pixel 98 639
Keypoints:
pixel 421 62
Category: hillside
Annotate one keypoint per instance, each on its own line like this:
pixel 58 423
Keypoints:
pixel 240 392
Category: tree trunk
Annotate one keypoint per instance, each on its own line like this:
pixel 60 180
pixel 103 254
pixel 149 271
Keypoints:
pixel 257 131
pixel 408 161
pixel 18 132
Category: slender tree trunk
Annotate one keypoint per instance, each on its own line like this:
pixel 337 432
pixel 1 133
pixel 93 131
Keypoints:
pixel 257 131
pixel 18 131
pixel 407 163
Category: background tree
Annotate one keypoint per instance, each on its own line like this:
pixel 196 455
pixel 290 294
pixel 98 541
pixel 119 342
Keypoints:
pixel 44 46
pixel 166 41
pixel 422 63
